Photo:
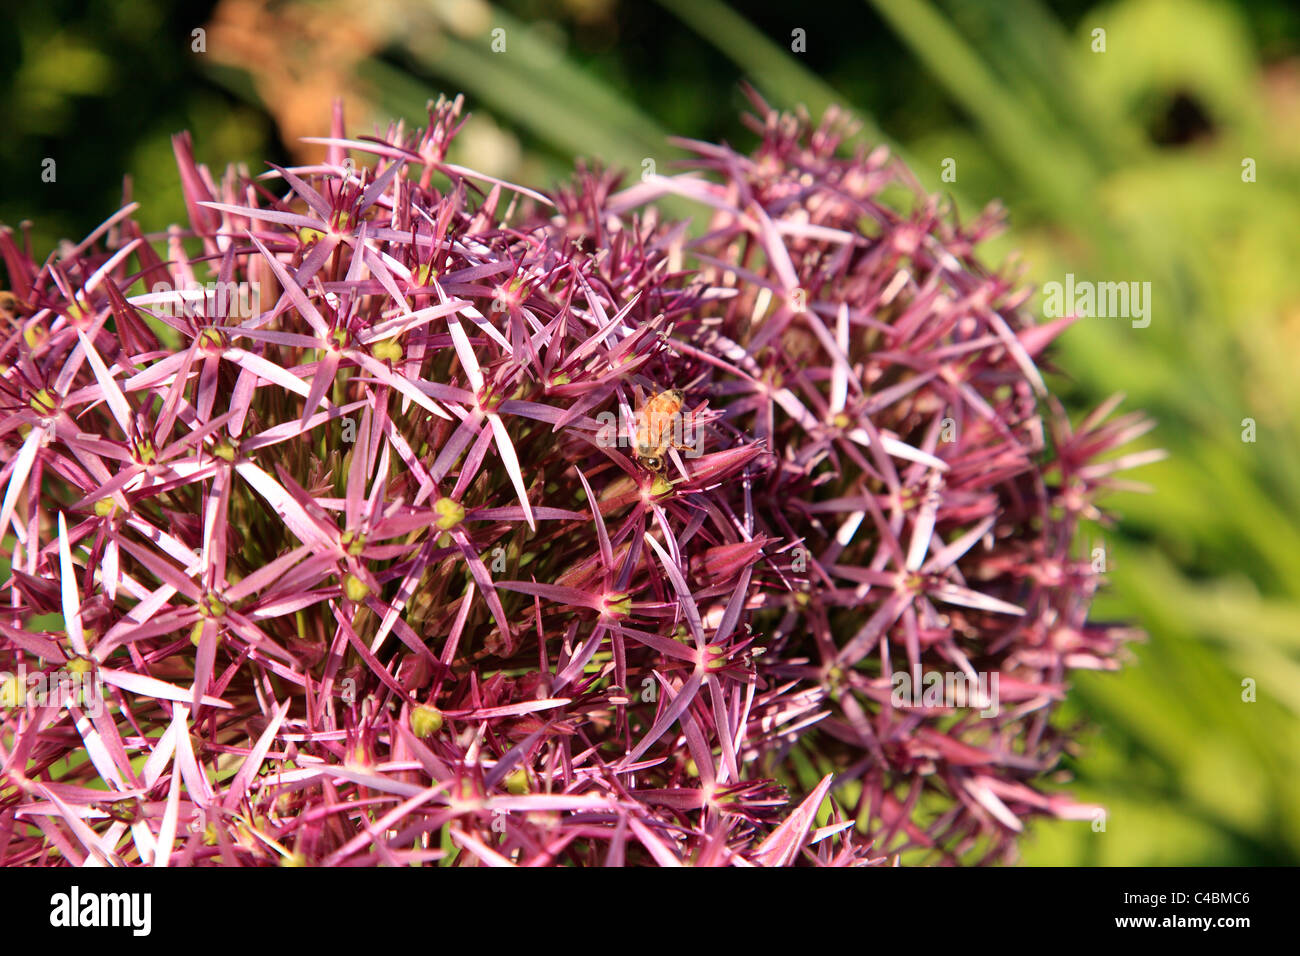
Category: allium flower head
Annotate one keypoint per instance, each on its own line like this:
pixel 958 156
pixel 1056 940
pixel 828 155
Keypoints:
pixel 367 551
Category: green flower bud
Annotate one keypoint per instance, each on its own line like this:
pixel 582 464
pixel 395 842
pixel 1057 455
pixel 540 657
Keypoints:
pixel 450 513
pixel 43 402
pixel 618 604
pixel 426 721
pixel 13 692
pixel 388 350
pixel 355 588
pixel 79 665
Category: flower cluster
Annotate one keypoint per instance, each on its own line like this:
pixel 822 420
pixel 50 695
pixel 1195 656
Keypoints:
pixel 346 499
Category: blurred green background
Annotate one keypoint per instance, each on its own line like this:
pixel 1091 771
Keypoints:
pixel 1117 165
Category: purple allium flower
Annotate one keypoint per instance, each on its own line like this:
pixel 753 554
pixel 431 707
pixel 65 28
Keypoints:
pixel 391 566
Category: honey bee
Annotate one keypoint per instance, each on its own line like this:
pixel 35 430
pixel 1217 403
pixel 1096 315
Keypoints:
pixel 655 424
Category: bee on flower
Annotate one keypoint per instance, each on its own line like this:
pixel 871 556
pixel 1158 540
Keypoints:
pixel 659 427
